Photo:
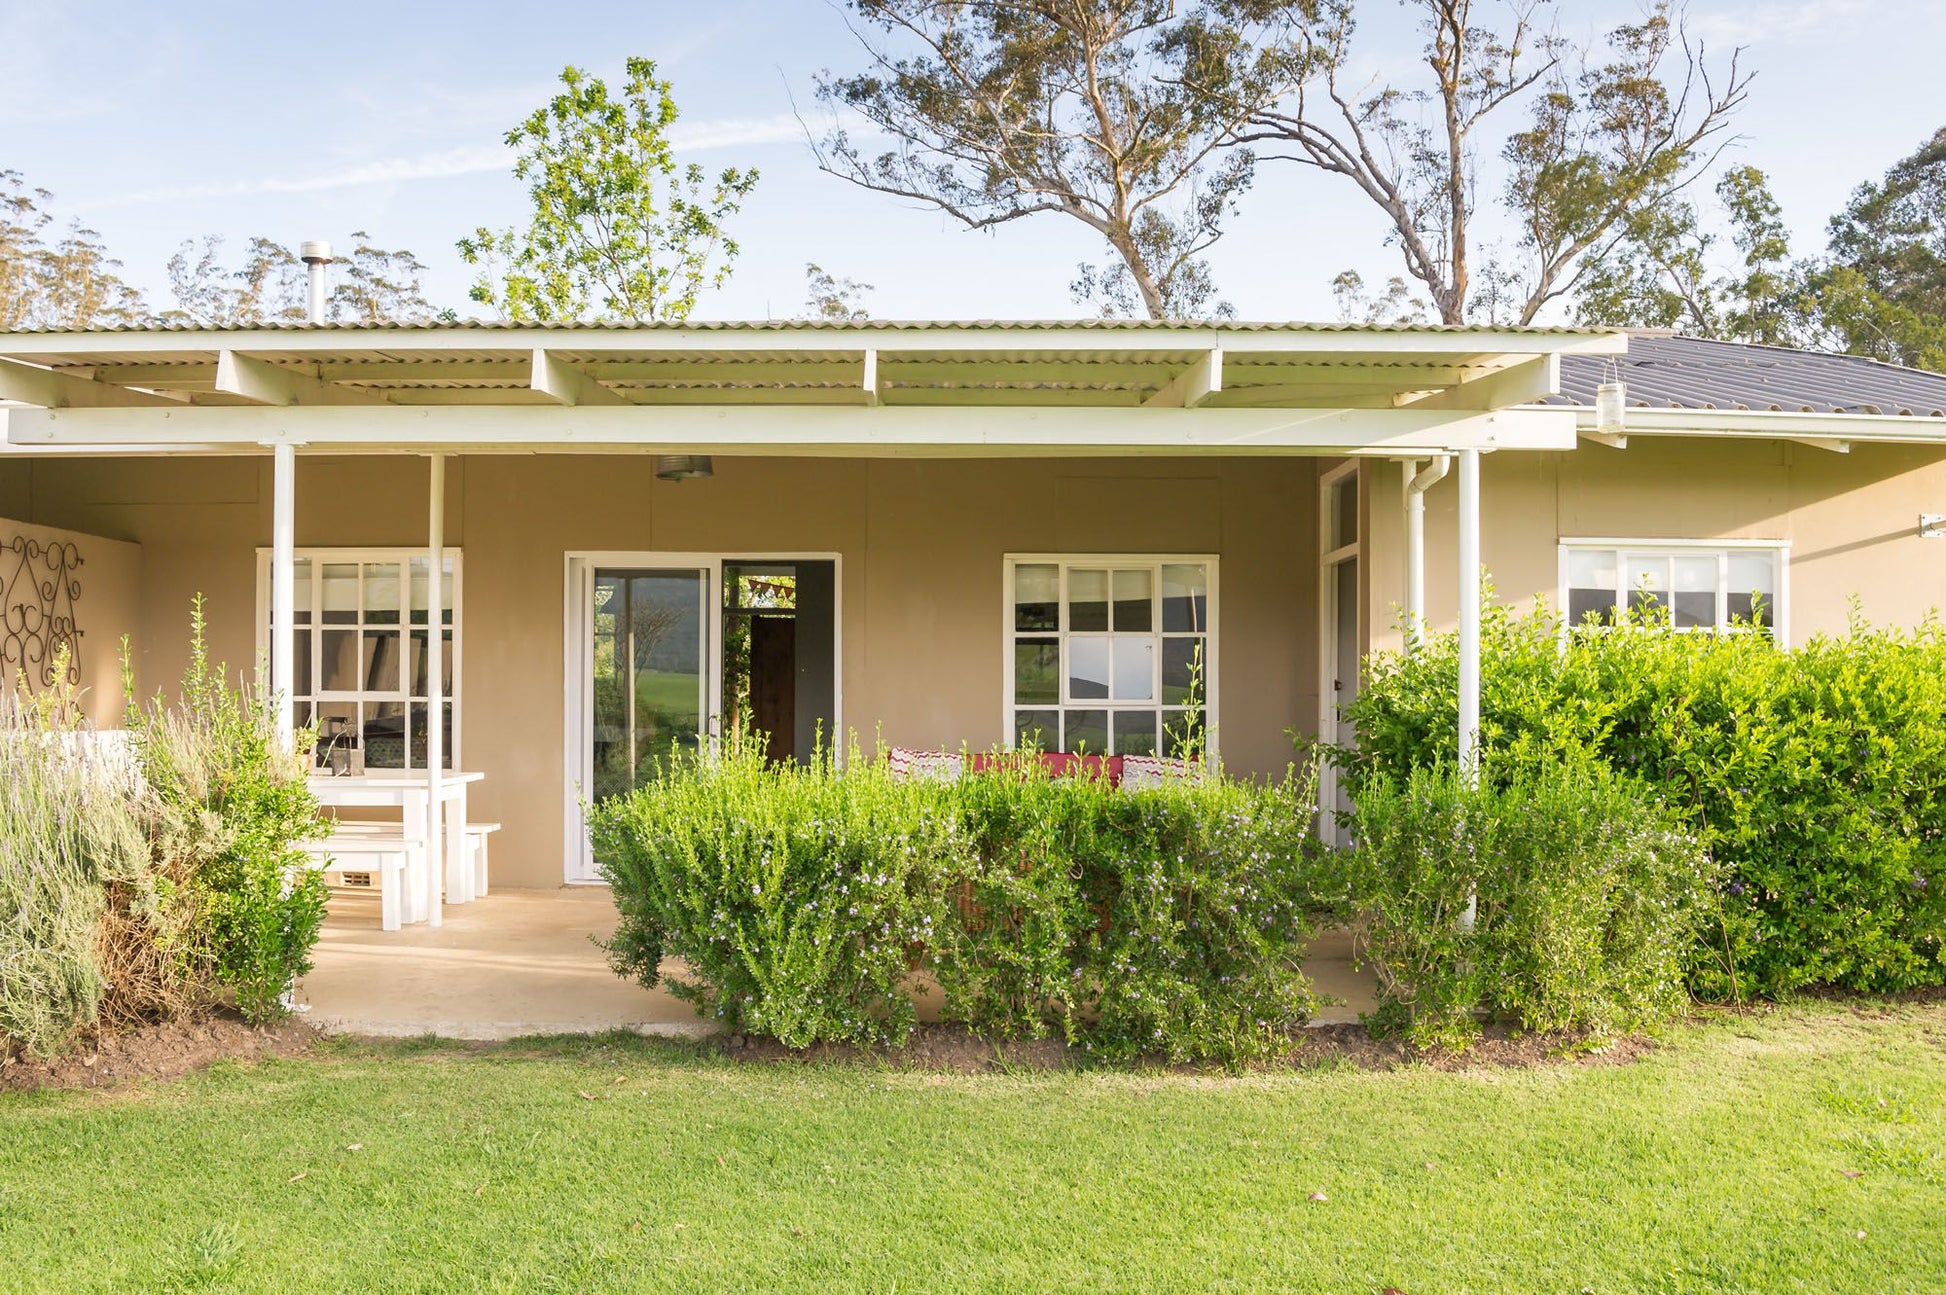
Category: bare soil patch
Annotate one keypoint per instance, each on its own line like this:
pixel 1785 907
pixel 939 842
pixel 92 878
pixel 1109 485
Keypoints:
pixel 166 1051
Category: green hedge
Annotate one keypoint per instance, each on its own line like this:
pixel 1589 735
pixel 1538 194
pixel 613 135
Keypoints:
pixel 1815 777
pixel 1168 921
pixel 1562 900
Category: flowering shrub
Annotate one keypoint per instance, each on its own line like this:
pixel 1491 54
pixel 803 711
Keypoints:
pixel 795 896
pixel 1169 921
pixel 1166 921
pixel 1561 900
pixel 1815 777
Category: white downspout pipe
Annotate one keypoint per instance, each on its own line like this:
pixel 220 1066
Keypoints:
pixel 1417 482
pixel 1469 636
pixel 1469 614
pixel 435 690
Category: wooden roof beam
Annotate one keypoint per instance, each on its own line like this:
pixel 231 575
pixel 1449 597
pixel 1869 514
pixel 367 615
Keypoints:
pixel 263 383
pixel 51 389
pixel 1193 387
pixel 564 384
pixel 1523 382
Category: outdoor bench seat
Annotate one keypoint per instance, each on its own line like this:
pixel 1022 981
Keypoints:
pixel 476 854
pixel 398 864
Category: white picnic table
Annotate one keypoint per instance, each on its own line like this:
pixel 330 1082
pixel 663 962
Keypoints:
pixel 410 793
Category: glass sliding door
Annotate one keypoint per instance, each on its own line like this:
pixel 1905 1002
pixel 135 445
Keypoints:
pixel 649 667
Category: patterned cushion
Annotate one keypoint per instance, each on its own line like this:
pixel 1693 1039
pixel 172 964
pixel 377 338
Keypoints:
pixel 928 766
pixel 1143 771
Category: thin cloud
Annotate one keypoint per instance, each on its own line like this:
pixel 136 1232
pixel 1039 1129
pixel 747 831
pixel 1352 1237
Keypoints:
pixel 1791 21
pixel 702 136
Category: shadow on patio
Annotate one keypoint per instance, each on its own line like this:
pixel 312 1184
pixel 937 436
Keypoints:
pixel 522 962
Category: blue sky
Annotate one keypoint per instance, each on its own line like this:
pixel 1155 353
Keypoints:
pixel 160 122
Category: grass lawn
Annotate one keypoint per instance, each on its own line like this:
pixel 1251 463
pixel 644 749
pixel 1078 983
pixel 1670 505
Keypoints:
pixel 1722 1162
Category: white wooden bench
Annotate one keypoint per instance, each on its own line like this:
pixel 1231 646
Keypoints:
pixel 398 864
pixel 476 857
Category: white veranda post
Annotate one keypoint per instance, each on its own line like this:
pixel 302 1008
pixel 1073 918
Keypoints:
pixel 435 690
pixel 283 591
pixel 1469 614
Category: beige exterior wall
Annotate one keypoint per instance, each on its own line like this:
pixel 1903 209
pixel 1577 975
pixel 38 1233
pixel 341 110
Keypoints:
pixel 107 606
pixel 920 545
pixel 1851 521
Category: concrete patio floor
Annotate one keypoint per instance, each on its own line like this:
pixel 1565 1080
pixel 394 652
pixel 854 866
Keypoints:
pixel 523 962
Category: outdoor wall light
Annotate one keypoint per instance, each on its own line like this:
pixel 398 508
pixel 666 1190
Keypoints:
pixel 683 467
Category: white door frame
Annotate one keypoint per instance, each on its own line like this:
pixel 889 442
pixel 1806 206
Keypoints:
pixel 578 691
pixel 1329 667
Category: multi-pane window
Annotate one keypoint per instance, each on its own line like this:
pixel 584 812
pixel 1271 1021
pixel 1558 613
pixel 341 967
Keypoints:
pixel 1112 656
pixel 1701 587
pixel 362 667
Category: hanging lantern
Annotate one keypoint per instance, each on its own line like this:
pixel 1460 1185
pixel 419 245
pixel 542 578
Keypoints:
pixel 1611 398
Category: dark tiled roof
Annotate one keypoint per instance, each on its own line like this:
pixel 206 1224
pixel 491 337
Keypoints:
pixel 1668 372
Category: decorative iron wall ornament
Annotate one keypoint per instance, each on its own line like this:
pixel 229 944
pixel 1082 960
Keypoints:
pixel 40 582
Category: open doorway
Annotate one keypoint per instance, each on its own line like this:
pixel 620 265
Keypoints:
pixel 777 663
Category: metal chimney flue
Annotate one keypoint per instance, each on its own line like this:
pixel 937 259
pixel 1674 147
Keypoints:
pixel 315 254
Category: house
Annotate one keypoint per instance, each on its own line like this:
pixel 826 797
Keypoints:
pixel 930 534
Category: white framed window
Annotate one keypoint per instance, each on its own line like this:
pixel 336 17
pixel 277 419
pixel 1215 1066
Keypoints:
pixel 362 635
pixel 1110 654
pixel 1705 585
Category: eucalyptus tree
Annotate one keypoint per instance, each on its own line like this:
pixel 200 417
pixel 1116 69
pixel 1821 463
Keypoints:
pixel 1674 269
pixel 618 229
pixel 55 277
pixel 1118 114
pixel 1615 129
pixel 370 285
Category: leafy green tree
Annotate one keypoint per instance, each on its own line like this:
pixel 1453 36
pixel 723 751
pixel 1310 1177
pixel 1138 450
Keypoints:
pixel 1616 130
pixel 56 278
pixel 1116 113
pixel 1668 271
pixel 619 229
pixel 1881 289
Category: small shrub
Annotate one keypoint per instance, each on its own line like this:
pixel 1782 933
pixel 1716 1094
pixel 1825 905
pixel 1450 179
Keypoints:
pixel 1208 899
pixel 1021 907
pixel 231 807
pixel 1165 921
pixel 796 896
pixel 1413 870
pixel 1563 900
